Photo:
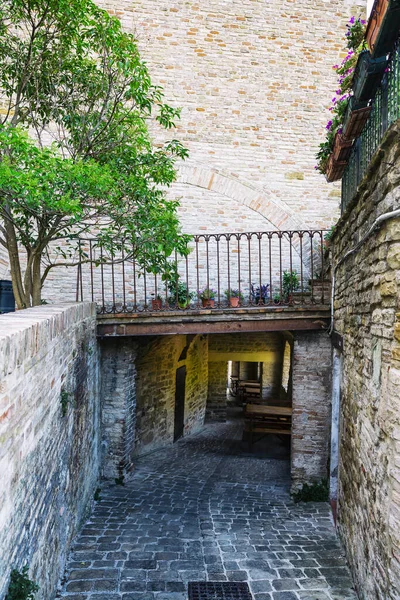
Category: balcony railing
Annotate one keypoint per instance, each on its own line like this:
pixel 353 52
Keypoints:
pixel 385 111
pixel 270 269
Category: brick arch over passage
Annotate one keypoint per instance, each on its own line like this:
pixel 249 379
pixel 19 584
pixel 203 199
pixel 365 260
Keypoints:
pixel 275 212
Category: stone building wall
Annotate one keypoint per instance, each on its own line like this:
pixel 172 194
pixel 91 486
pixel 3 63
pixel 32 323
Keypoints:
pixel 367 315
pixel 253 79
pixel 157 361
pixel 311 402
pixel 118 405
pixel 49 463
pixel 217 394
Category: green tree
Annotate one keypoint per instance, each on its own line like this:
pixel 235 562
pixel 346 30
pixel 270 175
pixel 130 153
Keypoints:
pixel 76 155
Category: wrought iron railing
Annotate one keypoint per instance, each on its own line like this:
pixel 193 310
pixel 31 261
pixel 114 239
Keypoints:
pixel 385 111
pixel 268 269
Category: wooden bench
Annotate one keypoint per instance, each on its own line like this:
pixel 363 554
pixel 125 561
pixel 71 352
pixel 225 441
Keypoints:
pixel 267 419
pixel 250 390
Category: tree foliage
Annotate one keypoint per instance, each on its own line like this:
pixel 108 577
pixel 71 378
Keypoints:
pixel 75 149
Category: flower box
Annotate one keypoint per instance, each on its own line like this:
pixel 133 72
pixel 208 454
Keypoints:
pixel 334 169
pixel 341 148
pixel 367 76
pixel 356 116
pixel 383 27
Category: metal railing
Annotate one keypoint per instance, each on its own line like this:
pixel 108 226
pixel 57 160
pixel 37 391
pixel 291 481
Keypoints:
pixel 268 269
pixel 385 111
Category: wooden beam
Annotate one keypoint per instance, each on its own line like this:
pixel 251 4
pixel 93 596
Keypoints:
pixel 119 328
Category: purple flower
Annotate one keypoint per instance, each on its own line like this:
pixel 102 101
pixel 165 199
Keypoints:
pixel 340 130
pixel 352 20
pixel 329 125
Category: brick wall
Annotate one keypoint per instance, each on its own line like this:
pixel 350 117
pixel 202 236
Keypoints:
pixel 312 367
pixel 217 396
pixel 367 314
pixel 49 463
pixel 254 80
pixel 118 403
pixel 157 362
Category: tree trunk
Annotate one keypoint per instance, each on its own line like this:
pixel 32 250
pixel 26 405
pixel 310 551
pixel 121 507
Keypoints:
pixel 37 280
pixel 15 265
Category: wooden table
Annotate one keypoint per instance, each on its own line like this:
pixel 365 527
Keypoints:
pixel 267 419
pixel 250 389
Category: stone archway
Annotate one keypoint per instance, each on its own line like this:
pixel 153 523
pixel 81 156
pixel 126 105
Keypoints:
pixel 271 209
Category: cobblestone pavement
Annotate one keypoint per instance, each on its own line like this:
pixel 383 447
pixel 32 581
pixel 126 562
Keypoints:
pixel 204 510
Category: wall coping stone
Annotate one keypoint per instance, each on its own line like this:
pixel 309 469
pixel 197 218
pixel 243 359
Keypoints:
pixel 23 333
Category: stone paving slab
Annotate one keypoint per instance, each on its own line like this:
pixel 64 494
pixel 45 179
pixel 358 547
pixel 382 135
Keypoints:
pixel 204 511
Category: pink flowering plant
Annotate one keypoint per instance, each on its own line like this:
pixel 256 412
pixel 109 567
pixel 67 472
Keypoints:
pixel 355 44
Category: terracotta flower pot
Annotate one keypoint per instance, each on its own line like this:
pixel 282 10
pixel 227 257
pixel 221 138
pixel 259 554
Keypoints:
pixel 335 169
pixel 356 116
pixel 234 302
pixel 208 302
pixel 341 148
pixel 156 304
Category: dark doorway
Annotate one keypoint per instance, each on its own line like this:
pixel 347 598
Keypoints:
pixel 179 402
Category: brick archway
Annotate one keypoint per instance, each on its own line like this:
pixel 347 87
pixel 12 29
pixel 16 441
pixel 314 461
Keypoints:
pixel 244 193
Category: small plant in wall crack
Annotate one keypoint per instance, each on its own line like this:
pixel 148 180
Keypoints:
pixel 313 492
pixel 21 587
pixel 64 401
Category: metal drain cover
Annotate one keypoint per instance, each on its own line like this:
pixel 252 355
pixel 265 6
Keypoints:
pixel 219 590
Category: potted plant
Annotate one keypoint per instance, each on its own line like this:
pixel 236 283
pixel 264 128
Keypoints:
pixel 234 297
pixel 277 298
pixel 334 169
pixel 260 294
pixel 328 236
pixel 156 303
pixel 207 296
pixel 180 295
pixel 341 148
pixel 357 114
pixel 335 149
pixel 290 284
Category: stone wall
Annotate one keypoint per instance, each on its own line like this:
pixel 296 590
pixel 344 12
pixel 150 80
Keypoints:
pixel 367 315
pixel 312 366
pixel 49 462
pixel 217 395
pixel 118 405
pixel 157 361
